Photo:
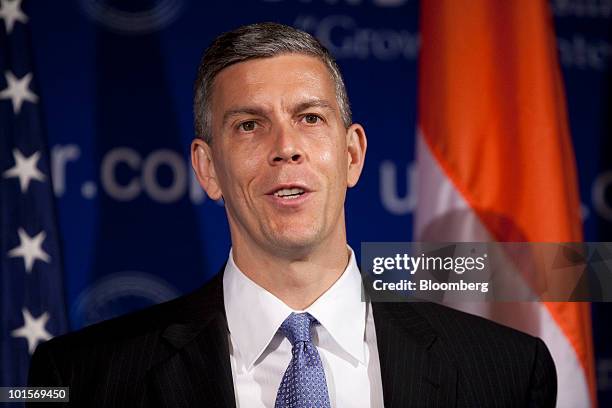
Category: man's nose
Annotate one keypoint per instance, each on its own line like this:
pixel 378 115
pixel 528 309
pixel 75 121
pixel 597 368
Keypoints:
pixel 287 147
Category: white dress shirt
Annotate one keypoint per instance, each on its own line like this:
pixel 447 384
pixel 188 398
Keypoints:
pixel 345 339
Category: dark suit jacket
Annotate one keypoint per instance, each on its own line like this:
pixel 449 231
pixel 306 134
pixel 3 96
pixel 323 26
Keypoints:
pixel 176 355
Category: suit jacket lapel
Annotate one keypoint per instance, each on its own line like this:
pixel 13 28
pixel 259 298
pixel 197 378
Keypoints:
pixel 414 368
pixel 197 369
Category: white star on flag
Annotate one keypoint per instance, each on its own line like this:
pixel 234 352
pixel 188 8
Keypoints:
pixel 30 249
pixel 17 90
pixel 10 11
pixel 33 329
pixel 25 168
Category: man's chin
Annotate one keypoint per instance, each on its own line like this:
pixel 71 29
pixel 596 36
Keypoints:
pixel 295 244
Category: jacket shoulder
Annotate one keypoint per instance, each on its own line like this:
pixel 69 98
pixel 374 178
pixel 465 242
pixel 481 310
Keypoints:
pixel 192 307
pixel 110 361
pixel 518 366
pixel 462 326
pixel 135 339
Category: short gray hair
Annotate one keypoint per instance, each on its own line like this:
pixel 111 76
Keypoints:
pixel 261 40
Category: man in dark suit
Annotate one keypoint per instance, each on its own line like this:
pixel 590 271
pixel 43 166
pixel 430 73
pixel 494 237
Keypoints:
pixel 283 323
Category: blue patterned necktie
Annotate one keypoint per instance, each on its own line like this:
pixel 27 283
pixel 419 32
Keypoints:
pixel 303 385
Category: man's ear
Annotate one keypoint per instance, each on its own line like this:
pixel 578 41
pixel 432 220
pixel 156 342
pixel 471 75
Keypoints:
pixel 357 145
pixel 203 166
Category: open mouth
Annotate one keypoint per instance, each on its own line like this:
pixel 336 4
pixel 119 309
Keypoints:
pixel 289 193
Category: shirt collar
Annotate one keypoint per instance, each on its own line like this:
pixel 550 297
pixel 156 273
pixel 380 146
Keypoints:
pixel 254 314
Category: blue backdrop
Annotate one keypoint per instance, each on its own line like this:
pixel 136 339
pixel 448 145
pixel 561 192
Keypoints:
pixel 115 81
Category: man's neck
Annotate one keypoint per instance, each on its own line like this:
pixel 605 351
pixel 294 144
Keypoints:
pixel 297 280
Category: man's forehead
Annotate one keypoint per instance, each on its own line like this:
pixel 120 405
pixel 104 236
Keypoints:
pixel 300 78
pixel 277 69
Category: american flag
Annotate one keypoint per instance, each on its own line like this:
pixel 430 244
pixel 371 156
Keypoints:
pixel 31 282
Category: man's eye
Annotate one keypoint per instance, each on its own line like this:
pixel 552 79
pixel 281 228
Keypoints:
pixel 247 126
pixel 312 119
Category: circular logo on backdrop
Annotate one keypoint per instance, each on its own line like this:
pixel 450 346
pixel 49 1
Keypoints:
pixel 120 293
pixel 126 18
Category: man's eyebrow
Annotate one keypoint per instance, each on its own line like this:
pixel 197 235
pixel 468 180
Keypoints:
pixel 242 110
pixel 256 111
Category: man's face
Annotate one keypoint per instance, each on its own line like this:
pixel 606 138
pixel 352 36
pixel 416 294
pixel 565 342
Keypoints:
pixel 281 157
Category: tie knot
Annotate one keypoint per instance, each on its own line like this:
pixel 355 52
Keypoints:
pixel 296 327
